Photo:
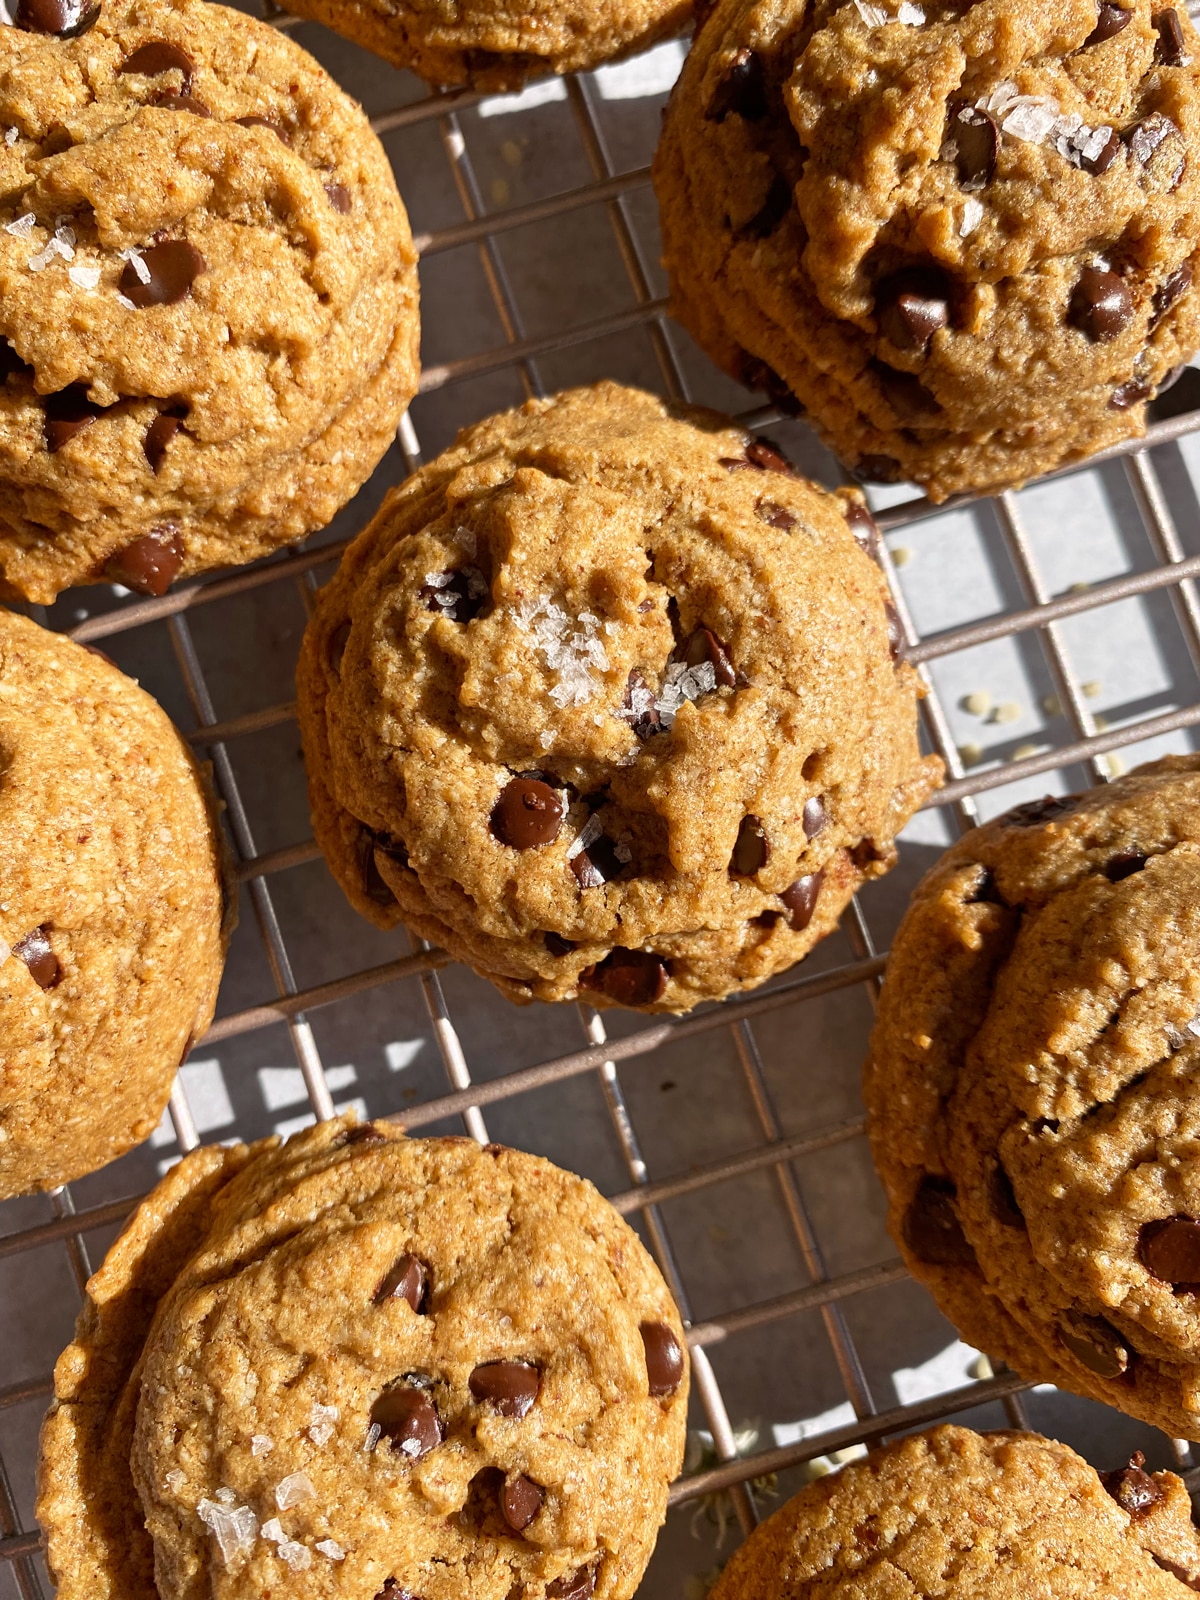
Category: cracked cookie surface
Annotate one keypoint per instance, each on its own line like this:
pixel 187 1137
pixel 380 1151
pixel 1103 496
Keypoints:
pixel 113 920
pixel 955 1515
pixel 208 296
pixel 1032 1090
pixel 606 702
pixel 963 237
pixel 360 1365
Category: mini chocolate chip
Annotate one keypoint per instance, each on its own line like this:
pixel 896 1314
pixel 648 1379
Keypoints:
pixel 166 101
pixel 527 814
pixel 1170 1249
pixel 1130 394
pixel 752 850
pixel 598 864
pixel 931 1227
pixel 905 393
pixel 1003 1199
pixel 973 142
pixel 510 1387
pixel 1032 812
pixel 339 198
pixel 878 469
pixel 573 1586
pixel 1124 865
pixel 704 645
pixel 68 412
pixel 1169 293
pixel 364 1133
pixel 407 1280
pixel 664 1358
pixel 520 1501
pixel 375 885
pixel 896 635
pixel 150 564
pixel 1095 1343
pixel 280 133
pixel 173 265
pixel 800 898
pixel 863 527
pixel 159 435
pixel 1101 306
pixel 772 211
pixel 1110 19
pixel 815 817
pixel 630 977
pixel 742 92
pixel 1097 165
pixel 461 596
pixel 1169 48
pixel 775 515
pixel 1134 1490
pixel 557 945
pixel 766 455
pixel 64 19
pixel 34 950
pixel 160 55
pixel 408 1419
pixel 912 305
pixel 11 365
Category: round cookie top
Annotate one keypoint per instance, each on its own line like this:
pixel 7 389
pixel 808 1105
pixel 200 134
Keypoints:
pixel 1032 1090
pixel 389 1366
pixel 964 236
pixel 959 1515
pixel 203 263
pixel 113 919
pixel 588 702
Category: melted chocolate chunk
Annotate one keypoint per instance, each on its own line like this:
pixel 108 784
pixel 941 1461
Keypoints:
pixel 775 515
pixel 280 132
pixel 1124 865
pixel 912 305
pixel 166 101
pixel 160 55
pixel 598 864
pixel 159 435
pixel 149 565
pixel 1169 48
pixel 704 645
pixel 800 898
pixel 574 1586
pixel 905 393
pixel 863 527
pixel 340 198
pixel 630 977
pixel 68 412
pixel 34 950
pixel 752 850
pixel 1130 394
pixel 972 142
pixel 11 365
pixel 1108 152
pixel 375 885
pixel 664 1358
pixel 878 469
pixel 407 1280
pixel 364 1133
pixel 173 265
pixel 1110 19
pixel 408 1419
pixel 1144 141
pixel 896 636
pixel 1033 812
pixel 931 1227
pixel 1003 1199
pixel 461 595
pixel 64 19
pixel 557 945
pixel 528 813
pixel 1101 306
pixel 1095 1343
pixel 1170 1250
pixel 1169 293
pixel 1134 1490
pixel 520 1501
pixel 815 817
pixel 742 92
pixel 772 211
pixel 509 1387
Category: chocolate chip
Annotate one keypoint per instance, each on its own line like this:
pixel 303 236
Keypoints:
pixel 1144 141
pixel 280 133
pixel 1035 811
pixel 1169 293
pixel 704 645
pixel 1101 306
pixel 159 435
pixel 1097 165
pixel 800 898
pixel 1169 48
pixel 1134 1490
pixel 1003 1199
pixel 742 92
pixel 775 515
pixel 557 945
pixel 931 1227
pixel 64 19
pixel 664 1358
pixel 527 814
pixel 160 55
pixel 173 265
pixel 68 412
pixel 973 143
pixel 630 977
pixel 912 305
pixel 752 850
pixel 1130 394
pixel 1124 865
pixel 520 1501
pixel 598 864
pixel 1170 1249
pixel 772 211
pixel 815 817
pixel 34 950
pixel 985 891
pixel 166 101
pixel 407 1280
pixel 863 527
pixel 1176 1570
pixel 149 565
pixel 1110 19
pixel 375 885
pixel 393 1591
pixel 905 393
pixel 649 721
pixel 339 198
pixel 363 1133
pixel 408 1419
pixel 11 365
pixel 1095 1343
pixel 461 596
pixel 897 639
pixel 510 1387
pixel 765 453
pixel 573 1586
pixel 878 469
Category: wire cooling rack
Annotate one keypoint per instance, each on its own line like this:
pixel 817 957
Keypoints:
pixel 1058 633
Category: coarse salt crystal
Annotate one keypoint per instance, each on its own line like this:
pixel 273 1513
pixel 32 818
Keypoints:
pixel 5 951
pixel 873 16
pixel 683 683
pixel 910 15
pixel 332 1549
pixel 11 135
pixel 294 1489
pixel 129 306
pixel 84 277
pixel 623 853
pixel 175 1480
pixel 139 266
pixel 320 1429
pixel 22 227
pixel 372 1439
pixel 261 1444
pixel 588 834
pixel 972 216
pixel 571 648
pixel 227 1497
pixel 273 1530
pixel 234 1530
pixel 297 1556
pixel 1031 119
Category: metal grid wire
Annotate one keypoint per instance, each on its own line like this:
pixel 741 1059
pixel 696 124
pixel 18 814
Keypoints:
pixel 1030 610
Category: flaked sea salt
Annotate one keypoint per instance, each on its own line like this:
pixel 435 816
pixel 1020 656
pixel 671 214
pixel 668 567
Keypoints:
pixel 372 1439
pixel 22 227
pixel 683 683
pixel 1039 119
pixel 11 135
pixel 623 853
pixel 297 1556
pixel 273 1530
pixel 588 834
pixel 235 1530
pixel 139 266
pixel 320 1428
pixel 175 1479
pixel 332 1549
pixel 571 648
pixel 911 16
pixel 875 16
pixel 227 1497
pixel 261 1444
pixel 84 277
pixel 126 302
pixel 61 244
pixel 295 1488
pixel 972 216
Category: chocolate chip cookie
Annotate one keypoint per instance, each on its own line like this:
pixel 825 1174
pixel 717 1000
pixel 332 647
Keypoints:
pixel 208 295
pixel 359 1365
pixel 606 701
pixel 1032 1090
pixel 960 1515
pixel 962 237
pixel 498 47
pixel 114 915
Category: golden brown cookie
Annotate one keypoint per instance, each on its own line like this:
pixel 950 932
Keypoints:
pixel 498 46
pixel 961 1515
pixel 360 1365
pixel 1032 1090
pixel 208 294
pixel 962 236
pixel 114 917
pixel 606 702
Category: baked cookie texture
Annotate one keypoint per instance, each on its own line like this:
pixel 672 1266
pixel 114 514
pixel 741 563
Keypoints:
pixel 115 908
pixel 358 1365
pixel 958 1515
pixel 606 702
pixel 497 47
pixel 1032 1092
pixel 208 294
pixel 963 237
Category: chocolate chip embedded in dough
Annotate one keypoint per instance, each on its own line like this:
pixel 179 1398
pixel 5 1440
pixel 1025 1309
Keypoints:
pixel 630 977
pixel 573 1586
pixel 150 564
pixel 1170 1250
pixel 767 455
pixel 814 817
pixel 800 898
pixel 173 265
pixel 509 1387
pixel 557 945
pixel 35 951
pixel 912 305
pixel 1097 165
pixel 61 19
pixel 407 1279
pixel 905 393
pixel 1169 293
pixel 157 56
pixel 752 849
pixel 67 412
pixel 1170 49
pixel 408 1419
pixel 775 515
pixel 166 101
pixel 598 864
pixel 931 1227
pixel 664 1358
pixel 972 142
pixel 1095 1343
pixel 340 198
pixel 863 527
pixel 1110 20
pixel 1127 395
pixel 1134 1490
pixel 529 813
pixel 1101 305
pixel 280 132
pixel 1124 865
pixel 742 91
pixel 703 645
pixel 159 435
pixel 520 1501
